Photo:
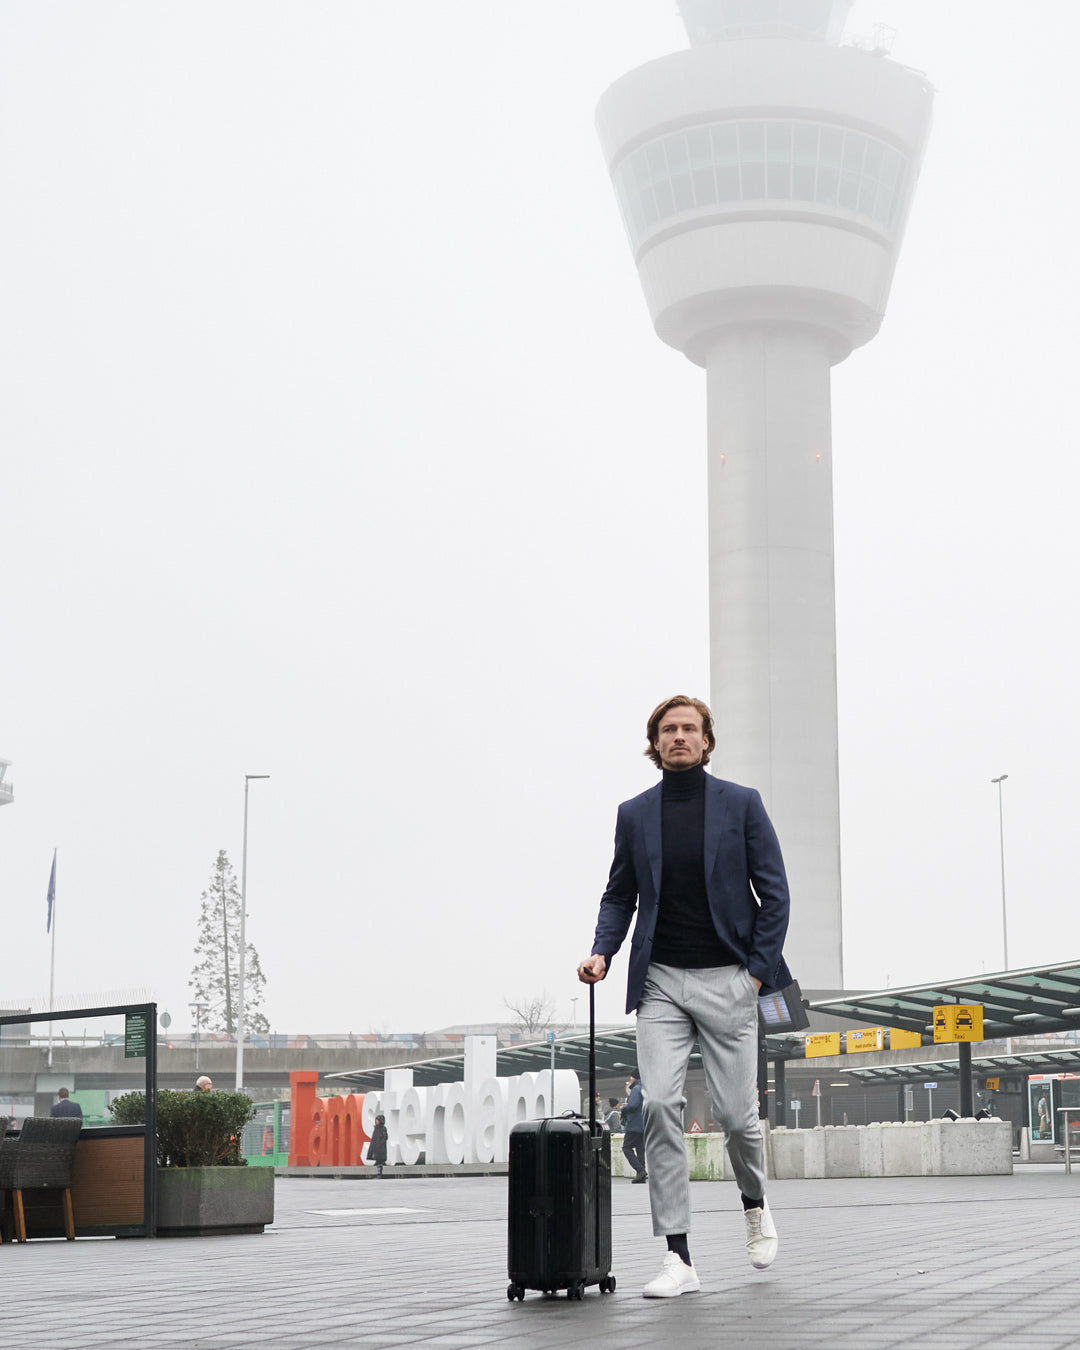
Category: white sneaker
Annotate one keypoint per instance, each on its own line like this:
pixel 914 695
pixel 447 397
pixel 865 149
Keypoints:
pixel 675 1278
pixel 761 1239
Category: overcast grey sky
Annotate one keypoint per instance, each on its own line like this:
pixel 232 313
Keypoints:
pixel 336 445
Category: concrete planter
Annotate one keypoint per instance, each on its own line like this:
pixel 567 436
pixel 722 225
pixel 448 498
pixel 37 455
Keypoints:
pixel 203 1201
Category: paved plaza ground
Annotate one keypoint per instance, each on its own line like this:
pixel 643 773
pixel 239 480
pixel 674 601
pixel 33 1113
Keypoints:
pixel 933 1263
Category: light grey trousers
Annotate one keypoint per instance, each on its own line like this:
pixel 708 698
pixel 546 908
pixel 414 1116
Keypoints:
pixel 718 1006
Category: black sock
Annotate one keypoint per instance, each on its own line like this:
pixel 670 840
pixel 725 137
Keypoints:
pixel 747 1203
pixel 676 1242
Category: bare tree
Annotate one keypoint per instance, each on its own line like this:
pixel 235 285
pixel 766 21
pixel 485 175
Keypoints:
pixel 533 1014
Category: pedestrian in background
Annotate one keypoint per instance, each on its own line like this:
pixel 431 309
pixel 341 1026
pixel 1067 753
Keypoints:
pixel 613 1118
pixel 633 1144
pixel 65 1106
pixel 377 1148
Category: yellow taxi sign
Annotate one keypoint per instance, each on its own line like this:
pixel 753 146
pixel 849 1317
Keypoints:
pixel 870 1038
pixel 822 1043
pixel 903 1040
pixel 958 1022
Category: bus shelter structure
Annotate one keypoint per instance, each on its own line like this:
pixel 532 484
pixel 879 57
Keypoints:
pixel 616 1055
pixel 1037 1002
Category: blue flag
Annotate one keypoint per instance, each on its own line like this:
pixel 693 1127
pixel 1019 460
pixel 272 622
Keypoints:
pixel 52 893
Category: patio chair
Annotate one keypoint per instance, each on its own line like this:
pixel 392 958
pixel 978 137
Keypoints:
pixel 42 1158
pixel 5 1121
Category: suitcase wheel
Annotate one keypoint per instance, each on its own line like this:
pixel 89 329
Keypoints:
pixel 515 1291
pixel 607 1285
pixel 576 1290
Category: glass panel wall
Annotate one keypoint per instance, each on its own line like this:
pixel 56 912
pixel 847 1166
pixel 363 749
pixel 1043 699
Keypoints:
pixel 774 160
pixel 722 20
pixel 63 1071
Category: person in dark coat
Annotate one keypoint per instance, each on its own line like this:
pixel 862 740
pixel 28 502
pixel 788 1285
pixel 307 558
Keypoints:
pixel 613 1118
pixel 377 1148
pixel 65 1106
pixel 633 1146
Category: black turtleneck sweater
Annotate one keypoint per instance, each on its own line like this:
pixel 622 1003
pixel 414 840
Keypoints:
pixel 685 935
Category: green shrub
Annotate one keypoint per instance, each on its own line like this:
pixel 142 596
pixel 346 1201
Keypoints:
pixel 194 1129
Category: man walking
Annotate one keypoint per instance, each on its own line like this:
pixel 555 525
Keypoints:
pixel 699 860
pixel 633 1145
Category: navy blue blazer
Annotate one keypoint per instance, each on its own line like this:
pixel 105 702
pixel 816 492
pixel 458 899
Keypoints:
pixel 741 852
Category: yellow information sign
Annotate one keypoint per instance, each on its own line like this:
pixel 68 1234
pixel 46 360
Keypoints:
pixel 992 1084
pixel 872 1038
pixel 903 1040
pixel 823 1043
pixel 958 1022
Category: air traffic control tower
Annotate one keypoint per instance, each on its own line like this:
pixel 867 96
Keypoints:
pixel 764 177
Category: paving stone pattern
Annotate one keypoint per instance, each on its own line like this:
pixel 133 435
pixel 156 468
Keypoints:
pixel 933 1263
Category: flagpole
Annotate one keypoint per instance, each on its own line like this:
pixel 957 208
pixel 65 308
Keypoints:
pixel 52 948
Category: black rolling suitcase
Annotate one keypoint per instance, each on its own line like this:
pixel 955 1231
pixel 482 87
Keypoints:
pixel 560 1200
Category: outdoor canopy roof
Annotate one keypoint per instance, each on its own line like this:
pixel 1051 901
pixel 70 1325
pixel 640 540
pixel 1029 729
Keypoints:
pixel 915 1071
pixel 616 1053
pixel 1015 1003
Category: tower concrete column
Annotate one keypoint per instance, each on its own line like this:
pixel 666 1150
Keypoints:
pixel 772 607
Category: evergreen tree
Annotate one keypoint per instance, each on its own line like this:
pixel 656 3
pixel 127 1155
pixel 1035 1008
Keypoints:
pixel 215 979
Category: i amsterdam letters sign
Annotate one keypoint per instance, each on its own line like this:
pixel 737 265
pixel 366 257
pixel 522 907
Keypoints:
pixel 466 1122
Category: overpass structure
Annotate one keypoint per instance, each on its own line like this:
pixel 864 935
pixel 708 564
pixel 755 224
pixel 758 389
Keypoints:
pixel 25 1070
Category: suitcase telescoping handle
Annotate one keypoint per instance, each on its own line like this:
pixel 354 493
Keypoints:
pixel 592 1059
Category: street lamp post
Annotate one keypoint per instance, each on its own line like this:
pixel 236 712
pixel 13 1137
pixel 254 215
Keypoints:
pixel 243 942
pixel 198 1009
pixel 1001 838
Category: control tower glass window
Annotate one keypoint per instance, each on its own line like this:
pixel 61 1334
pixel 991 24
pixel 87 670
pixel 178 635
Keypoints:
pixel 726 20
pixel 776 160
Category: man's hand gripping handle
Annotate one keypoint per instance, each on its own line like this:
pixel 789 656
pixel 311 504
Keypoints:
pixel 592 970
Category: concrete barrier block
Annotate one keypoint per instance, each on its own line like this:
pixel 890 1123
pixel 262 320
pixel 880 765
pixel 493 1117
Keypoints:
pixel 619 1166
pixel 706 1157
pixel 970 1147
pixel 789 1153
pixel 871 1162
pixel 912 1149
pixel 903 1152
pixel 841 1150
pixel 814 1151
